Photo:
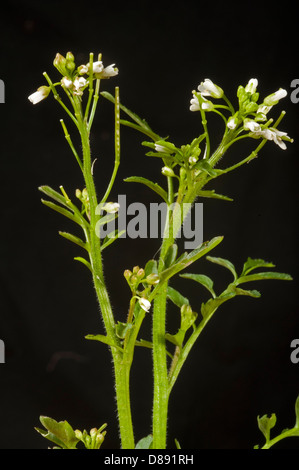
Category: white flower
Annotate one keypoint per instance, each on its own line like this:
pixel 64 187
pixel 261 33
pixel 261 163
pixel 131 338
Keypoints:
pixel 39 95
pixel 194 104
pixel 275 97
pixel 109 71
pixel 251 125
pixel 79 83
pixel 111 207
pixel 197 105
pixel 251 86
pixel 232 121
pixel 97 67
pixel 144 304
pixel 66 82
pixel 268 133
pixel 208 88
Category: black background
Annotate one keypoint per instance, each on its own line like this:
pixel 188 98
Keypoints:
pixel 241 366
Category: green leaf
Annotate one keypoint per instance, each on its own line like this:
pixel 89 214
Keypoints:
pixel 53 195
pixel 203 165
pixel 178 299
pixel 103 339
pixel 121 329
pixel 237 291
pixel 212 194
pixel 263 276
pixel 61 433
pixel 265 425
pixel 211 305
pixel 225 263
pixel 171 255
pixel 251 264
pixel 176 339
pixel 84 261
pixel 74 239
pixel 145 442
pixel 67 213
pixel 151 267
pixel 154 186
pixel 187 259
pixel 201 279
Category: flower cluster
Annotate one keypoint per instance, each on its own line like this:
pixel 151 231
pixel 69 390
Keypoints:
pixel 250 116
pixel 72 77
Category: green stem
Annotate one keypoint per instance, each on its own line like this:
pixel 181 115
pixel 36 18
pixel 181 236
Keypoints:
pixel 122 363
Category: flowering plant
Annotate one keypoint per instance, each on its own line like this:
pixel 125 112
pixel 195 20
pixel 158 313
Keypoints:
pixel 187 170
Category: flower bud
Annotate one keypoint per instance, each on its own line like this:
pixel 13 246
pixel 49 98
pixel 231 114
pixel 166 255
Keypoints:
pixel 140 273
pixel 166 171
pixel 275 97
pixel 60 64
pixel 70 62
pixel 127 274
pixel 208 88
pixel 251 86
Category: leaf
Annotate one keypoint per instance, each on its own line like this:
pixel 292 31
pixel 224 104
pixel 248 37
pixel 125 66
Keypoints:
pixel 251 293
pixel 225 263
pixel 67 213
pixel 54 195
pixel 104 339
pixel 171 255
pixel 203 165
pixel 176 339
pixel 74 239
pixel 201 279
pixel 121 329
pixel 84 261
pixel 61 433
pixel 154 186
pixel 151 267
pixel 178 299
pixel 145 442
pixel 212 194
pixel 265 425
pixel 188 258
pixel 211 305
pixel 263 276
pixel 251 264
